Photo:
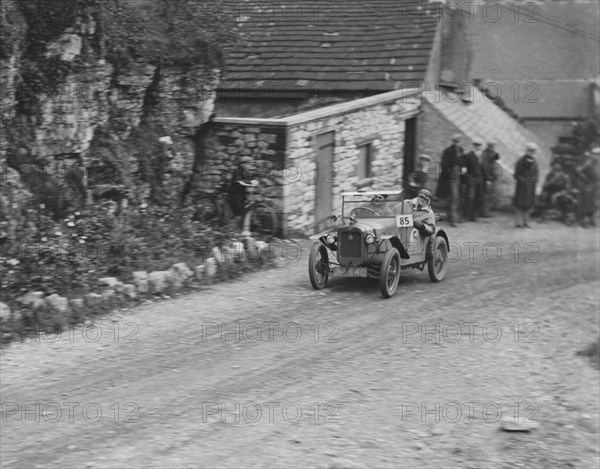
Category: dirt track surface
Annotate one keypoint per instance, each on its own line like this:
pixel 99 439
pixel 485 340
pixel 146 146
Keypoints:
pixel 397 383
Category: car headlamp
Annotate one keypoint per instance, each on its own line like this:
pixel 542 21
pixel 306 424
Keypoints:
pixel 330 239
pixel 370 238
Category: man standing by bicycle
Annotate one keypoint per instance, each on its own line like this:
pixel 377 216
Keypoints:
pixel 243 176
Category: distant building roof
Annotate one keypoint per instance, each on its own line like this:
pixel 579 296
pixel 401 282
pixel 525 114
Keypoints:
pixel 549 40
pixel 344 45
pixel 482 119
pixel 543 99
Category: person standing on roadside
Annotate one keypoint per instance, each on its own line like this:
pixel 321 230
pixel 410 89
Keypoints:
pixel 475 191
pixel 526 176
pixel 491 175
pixel 587 178
pixel 448 182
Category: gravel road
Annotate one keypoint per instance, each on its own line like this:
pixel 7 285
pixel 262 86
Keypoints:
pixel 267 372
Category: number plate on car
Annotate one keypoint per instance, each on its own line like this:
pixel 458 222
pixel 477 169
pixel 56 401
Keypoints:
pixel 404 221
pixel 350 271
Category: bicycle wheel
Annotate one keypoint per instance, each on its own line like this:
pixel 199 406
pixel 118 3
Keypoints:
pixel 205 209
pixel 262 219
pixel 224 211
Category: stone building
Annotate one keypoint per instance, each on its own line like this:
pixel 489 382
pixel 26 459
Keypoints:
pixel 307 159
pixel 338 93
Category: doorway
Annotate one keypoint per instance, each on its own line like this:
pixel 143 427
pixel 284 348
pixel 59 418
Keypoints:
pixel 324 174
pixel 410 149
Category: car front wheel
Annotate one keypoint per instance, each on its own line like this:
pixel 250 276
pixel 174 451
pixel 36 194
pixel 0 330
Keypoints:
pixel 318 266
pixel 390 273
pixel 438 260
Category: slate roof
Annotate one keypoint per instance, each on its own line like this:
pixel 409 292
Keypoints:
pixel 541 99
pixel 482 119
pixel 339 45
pixel 551 40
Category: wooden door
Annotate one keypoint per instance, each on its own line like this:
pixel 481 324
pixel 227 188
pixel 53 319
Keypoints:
pixel 324 173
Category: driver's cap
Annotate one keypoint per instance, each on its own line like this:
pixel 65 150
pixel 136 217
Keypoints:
pixel 426 194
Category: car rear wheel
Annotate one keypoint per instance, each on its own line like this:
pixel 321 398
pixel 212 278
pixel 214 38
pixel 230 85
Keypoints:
pixel 438 261
pixel 318 266
pixel 390 273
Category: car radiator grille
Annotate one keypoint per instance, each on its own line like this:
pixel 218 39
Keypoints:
pixel 350 244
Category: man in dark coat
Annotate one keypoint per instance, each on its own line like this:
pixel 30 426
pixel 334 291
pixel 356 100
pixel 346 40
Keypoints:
pixel 475 190
pixel 587 178
pixel 491 175
pixel 448 182
pixel 526 176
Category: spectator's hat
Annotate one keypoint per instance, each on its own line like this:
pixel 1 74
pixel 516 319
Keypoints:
pixel 456 137
pixel 531 146
pixel 424 157
pixel 426 194
pixel 491 143
pixel 477 142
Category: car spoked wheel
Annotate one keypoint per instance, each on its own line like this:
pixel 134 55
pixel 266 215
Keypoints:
pixel 390 273
pixel 438 261
pixel 318 266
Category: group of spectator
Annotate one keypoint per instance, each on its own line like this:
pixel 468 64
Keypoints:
pixel 467 180
pixel 570 191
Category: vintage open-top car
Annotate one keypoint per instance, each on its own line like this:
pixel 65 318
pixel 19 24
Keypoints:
pixel 375 238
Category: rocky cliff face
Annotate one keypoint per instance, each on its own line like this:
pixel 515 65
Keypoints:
pixel 79 126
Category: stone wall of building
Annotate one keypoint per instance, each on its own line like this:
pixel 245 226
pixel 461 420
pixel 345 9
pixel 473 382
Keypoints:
pixel 434 134
pixel 381 124
pixel 244 151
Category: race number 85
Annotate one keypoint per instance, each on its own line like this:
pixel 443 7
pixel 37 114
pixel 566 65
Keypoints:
pixel 403 221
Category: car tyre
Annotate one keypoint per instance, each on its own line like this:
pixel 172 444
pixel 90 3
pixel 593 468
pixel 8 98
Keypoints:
pixel 438 260
pixel 389 275
pixel 318 266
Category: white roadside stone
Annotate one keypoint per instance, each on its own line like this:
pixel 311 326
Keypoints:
pixel 4 312
pixel 58 303
pixel 140 280
pixel 180 274
pixel 111 282
pixel 218 255
pixel 108 297
pixel 228 255
pixel 77 305
pixel 93 300
pixel 520 424
pixel 29 299
pixel 211 267
pixel 238 251
pixel 129 290
pixel 159 280
pixel 200 271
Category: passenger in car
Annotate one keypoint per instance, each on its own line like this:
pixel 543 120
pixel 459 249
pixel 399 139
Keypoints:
pixel 423 217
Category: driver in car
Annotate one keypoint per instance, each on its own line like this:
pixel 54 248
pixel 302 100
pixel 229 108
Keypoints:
pixel 423 217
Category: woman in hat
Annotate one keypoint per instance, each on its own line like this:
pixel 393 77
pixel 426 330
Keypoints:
pixel 526 176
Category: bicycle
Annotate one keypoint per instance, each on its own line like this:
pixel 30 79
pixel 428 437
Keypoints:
pixel 258 217
pixel 213 205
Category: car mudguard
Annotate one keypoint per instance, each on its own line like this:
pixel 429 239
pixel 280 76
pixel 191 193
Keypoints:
pixel 397 244
pixel 431 242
